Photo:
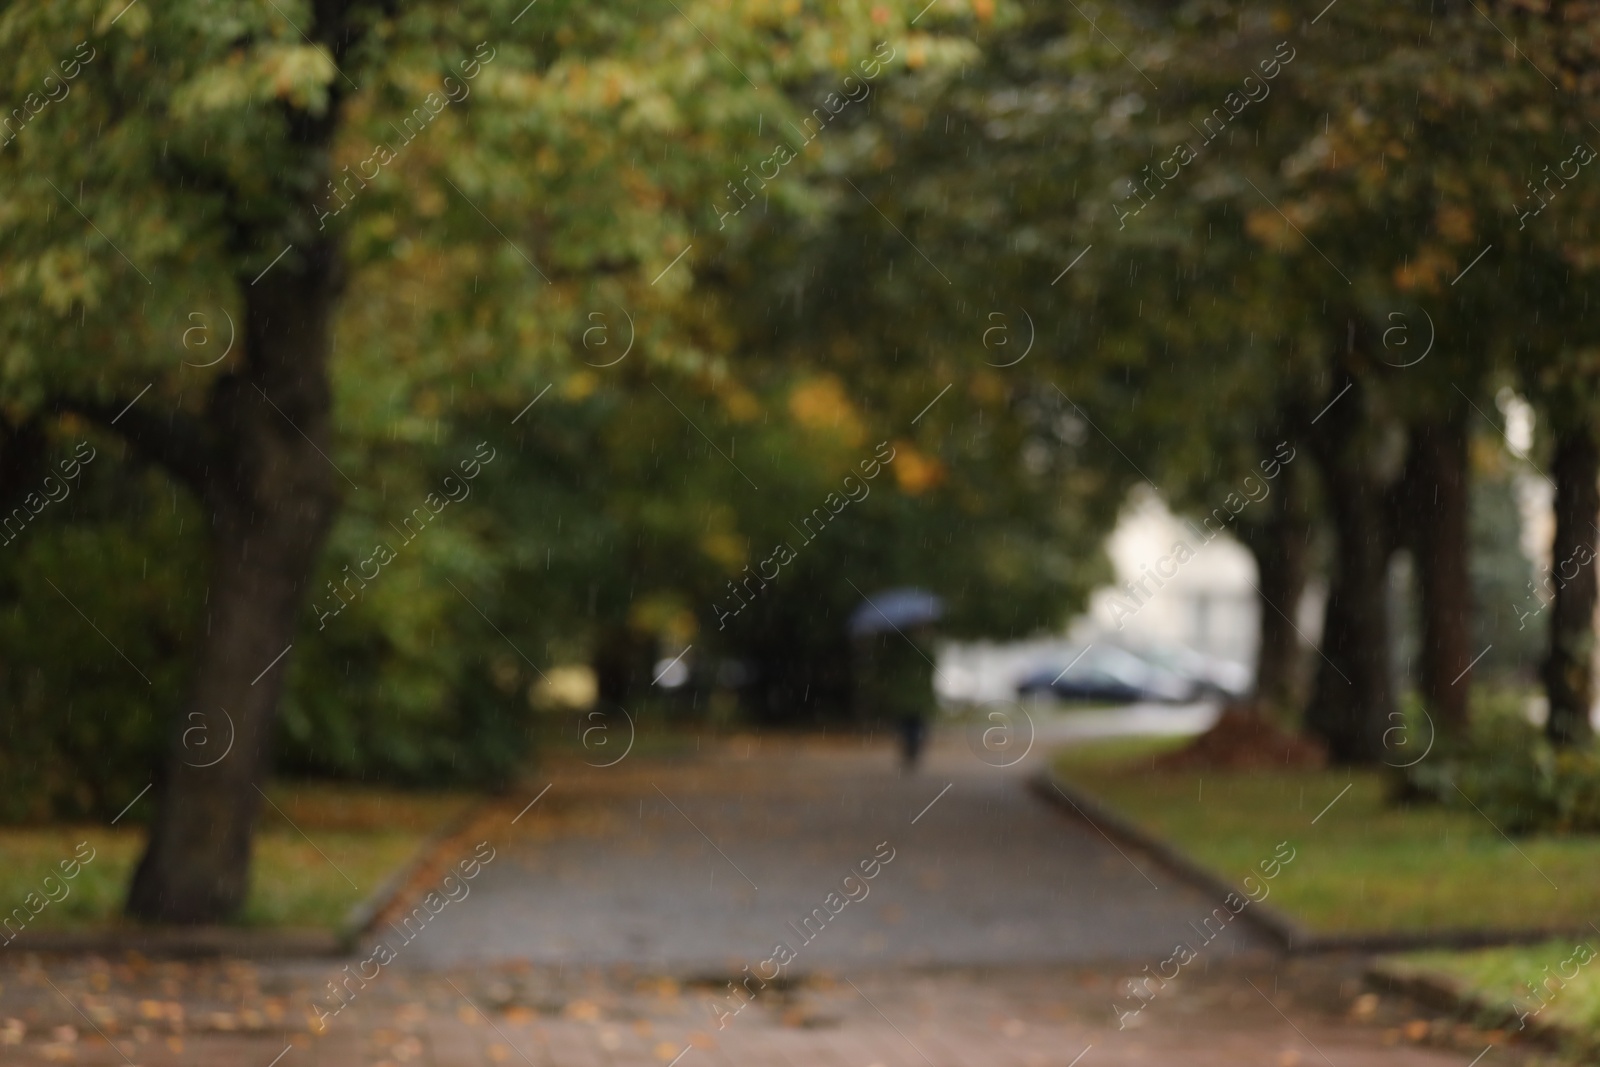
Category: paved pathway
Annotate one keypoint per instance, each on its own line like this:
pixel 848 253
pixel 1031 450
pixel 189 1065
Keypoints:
pixel 705 866
pixel 617 908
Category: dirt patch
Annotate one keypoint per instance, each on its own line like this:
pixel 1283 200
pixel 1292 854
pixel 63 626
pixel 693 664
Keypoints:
pixel 1243 739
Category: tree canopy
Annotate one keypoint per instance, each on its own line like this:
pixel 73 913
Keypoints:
pixel 403 353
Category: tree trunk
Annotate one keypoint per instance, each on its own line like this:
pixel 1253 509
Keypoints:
pixel 1281 547
pixel 621 663
pixel 271 494
pixel 1568 670
pixel 1437 514
pixel 1353 699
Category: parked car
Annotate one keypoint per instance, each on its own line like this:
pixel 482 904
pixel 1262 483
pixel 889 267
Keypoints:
pixel 1212 677
pixel 1107 674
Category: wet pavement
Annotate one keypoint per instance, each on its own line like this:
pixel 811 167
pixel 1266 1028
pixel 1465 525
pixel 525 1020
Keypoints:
pixel 617 909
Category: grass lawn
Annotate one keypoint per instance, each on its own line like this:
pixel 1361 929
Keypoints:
pixel 1511 976
pixel 1364 866
pixel 366 832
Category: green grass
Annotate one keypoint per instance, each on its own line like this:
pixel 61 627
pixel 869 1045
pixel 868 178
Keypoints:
pixel 1365 866
pixel 367 833
pixel 1508 977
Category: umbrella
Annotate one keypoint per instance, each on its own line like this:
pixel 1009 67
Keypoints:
pixel 895 609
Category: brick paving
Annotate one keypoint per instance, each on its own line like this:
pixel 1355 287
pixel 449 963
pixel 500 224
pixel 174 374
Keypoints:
pixel 617 909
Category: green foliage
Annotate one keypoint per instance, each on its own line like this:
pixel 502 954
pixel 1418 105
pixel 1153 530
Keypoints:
pixel 93 659
pixel 1509 772
pixel 582 164
pixel 781 347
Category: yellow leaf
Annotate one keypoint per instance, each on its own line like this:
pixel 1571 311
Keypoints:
pixel 915 472
pixel 580 385
pixel 820 404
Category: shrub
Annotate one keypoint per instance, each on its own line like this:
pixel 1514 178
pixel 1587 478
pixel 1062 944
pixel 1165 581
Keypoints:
pixel 1515 777
pixel 97 597
pixel 101 606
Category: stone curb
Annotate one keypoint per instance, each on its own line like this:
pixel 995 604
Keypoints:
pixel 1284 932
pixel 1289 935
pixel 361 917
pixel 1444 993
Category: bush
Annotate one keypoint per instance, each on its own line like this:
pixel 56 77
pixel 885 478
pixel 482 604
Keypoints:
pixel 394 691
pixel 1515 777
pixel 97 599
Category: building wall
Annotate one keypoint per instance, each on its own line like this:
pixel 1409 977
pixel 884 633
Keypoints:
pixel 1175 587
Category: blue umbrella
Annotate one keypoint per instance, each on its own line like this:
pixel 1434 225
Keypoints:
pixel 895 609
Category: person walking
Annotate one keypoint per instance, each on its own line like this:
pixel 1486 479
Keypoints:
pixel 893 636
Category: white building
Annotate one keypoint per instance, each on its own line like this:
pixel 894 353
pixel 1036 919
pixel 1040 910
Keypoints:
pixel 1201 597
pixel 1174 586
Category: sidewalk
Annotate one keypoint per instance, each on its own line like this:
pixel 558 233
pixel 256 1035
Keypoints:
pixel 619 906
pixel 659 866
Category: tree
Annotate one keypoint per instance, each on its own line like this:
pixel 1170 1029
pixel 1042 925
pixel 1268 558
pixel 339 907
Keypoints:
pixel 205 158
pixel 1369 128
pixel 1568 671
